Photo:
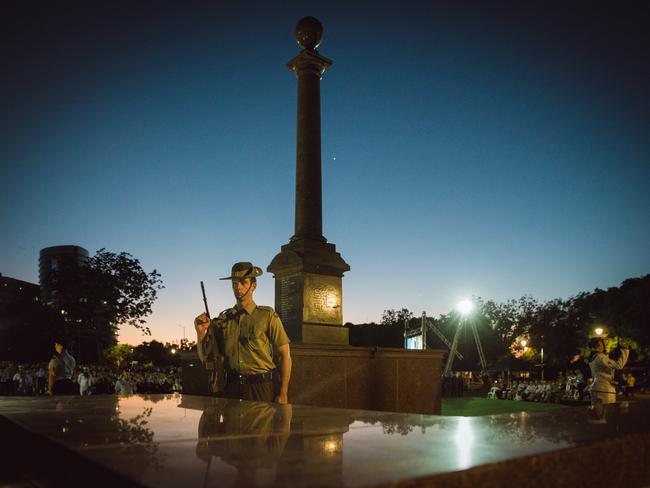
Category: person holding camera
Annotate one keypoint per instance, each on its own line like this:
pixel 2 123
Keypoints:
pixel 603 391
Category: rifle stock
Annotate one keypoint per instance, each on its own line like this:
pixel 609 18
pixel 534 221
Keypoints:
pixel 216 366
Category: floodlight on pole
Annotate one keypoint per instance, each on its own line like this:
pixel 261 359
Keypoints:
pixel 465 307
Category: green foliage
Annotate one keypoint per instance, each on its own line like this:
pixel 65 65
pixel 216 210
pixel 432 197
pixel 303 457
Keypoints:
pixel 187 345
pixel 108 291
pixel 396 317
pixel 119 354
pixel 121 288
pixel 156 353
pixel 89 302
pixel 561 327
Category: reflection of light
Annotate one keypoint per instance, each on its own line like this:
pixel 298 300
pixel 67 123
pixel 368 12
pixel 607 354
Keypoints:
pixel 330 300
pixel 330 446
pixel 464 439
pixel 598 331
pixel 465 307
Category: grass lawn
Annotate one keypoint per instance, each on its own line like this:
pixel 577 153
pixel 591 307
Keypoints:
pixel 474 407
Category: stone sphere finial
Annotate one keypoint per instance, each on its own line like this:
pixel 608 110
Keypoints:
pixel 309 32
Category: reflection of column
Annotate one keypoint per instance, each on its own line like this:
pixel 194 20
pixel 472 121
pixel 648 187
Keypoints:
pixel 318 441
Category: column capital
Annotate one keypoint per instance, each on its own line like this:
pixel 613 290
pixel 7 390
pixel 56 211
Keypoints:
pixel 309 62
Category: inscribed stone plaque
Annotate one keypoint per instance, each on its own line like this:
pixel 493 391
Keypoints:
pixel 322 300
pixel 288 303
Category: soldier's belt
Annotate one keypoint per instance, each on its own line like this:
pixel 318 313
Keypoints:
pixel 249 379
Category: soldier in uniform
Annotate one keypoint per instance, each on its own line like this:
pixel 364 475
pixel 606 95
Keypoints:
pixel 248 337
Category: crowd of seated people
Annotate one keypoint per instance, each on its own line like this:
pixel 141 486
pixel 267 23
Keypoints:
pixel 31 379
pixel 571 387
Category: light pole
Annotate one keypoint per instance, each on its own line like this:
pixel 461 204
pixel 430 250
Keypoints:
pixel 464 307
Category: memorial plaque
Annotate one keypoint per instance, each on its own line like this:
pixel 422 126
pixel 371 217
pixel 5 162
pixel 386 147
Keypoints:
pixel 288 302
pixel 322 300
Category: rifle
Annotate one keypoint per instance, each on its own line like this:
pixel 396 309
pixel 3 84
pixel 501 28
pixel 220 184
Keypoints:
pixel 216 366
pixel 205 300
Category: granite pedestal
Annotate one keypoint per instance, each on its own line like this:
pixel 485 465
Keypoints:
pixel 369 378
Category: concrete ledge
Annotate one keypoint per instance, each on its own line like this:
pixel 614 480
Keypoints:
pixel 621 462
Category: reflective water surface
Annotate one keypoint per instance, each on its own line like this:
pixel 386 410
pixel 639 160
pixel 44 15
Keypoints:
pixel 167 440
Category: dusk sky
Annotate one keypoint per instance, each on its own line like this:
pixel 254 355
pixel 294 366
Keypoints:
pixel 469 148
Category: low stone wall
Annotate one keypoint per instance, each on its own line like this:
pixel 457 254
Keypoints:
pixel 393 380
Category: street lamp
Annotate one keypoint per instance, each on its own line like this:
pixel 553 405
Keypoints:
pixel 465 307
pixel 599 331
pixel 173 350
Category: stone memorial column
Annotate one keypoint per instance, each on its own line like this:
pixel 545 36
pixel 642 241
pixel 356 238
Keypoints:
pixel 308 271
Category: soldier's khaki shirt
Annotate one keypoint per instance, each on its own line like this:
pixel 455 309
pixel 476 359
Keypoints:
pixel 247 338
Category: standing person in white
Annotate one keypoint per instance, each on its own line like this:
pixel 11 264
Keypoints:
pixel 602 368
pixel 124 385
pixel 85 381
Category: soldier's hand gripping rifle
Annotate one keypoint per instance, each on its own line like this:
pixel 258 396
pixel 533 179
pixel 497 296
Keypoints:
pixel 215 363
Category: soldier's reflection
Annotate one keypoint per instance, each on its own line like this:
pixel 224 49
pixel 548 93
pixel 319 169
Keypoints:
pixel 246 435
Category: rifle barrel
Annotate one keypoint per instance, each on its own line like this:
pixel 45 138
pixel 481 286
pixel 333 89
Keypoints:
pixel 205 300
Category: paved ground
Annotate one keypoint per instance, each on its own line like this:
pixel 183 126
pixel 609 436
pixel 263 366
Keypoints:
pixel 474 407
